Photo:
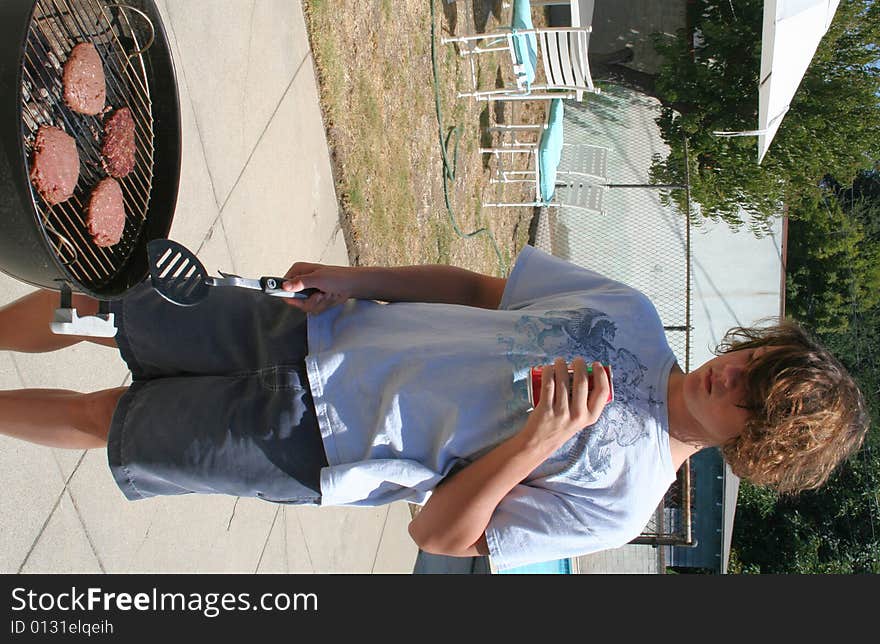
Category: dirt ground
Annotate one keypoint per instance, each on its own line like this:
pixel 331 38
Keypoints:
pixel 389 97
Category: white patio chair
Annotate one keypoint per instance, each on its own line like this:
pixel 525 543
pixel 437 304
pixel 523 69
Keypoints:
pixel 562 50
pixel 544 173
pixel 584 161
pixel 545 155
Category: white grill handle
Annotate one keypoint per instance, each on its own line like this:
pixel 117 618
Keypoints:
pixel 67 322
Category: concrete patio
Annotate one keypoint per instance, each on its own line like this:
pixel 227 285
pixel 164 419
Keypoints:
pixel 256 194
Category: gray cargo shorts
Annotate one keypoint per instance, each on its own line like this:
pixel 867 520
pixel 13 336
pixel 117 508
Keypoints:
pixel 219 401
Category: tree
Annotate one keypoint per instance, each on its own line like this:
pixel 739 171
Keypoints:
pixel 821 167
pixel 833 126
pixel 835 529
pixel 833 268
pixel 832 530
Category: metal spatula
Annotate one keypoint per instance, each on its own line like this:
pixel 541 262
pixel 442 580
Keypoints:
pixel 179 276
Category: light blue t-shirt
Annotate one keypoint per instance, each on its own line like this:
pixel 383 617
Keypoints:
pixel 407 392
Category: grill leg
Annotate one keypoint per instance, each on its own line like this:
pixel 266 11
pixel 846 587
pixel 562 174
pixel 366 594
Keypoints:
pixel 24 324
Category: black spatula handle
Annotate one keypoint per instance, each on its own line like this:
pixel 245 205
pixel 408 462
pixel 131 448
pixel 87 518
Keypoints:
pixel 273 286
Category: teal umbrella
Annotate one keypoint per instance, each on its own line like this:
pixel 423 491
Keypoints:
pixel 550 152
pixel 525 46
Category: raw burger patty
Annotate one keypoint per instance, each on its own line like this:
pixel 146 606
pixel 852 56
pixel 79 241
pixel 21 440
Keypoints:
pixel 85 90
pixel 118 148
pixel 55 165
pixel 106 213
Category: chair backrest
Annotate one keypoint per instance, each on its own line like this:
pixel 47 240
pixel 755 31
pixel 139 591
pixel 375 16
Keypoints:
pixel 564 54
pixel 587 159
pixel 583 196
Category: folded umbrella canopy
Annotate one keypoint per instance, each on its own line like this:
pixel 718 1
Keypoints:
pixel 791 34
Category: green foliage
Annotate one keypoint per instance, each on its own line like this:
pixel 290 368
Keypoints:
pixel 828 139
pixel 834 530
pixel 832 127
pixel 832 272
pixel 831 531
pixel 833 269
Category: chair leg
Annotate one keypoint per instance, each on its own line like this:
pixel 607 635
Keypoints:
pixel 530 204
pixel 471 37
pixel 499 96
pixel 511 150
pixel 481 50
pixel 510 93
pixel 499 128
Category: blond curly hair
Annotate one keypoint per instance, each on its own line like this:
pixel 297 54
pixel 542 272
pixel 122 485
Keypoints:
pixel 807 413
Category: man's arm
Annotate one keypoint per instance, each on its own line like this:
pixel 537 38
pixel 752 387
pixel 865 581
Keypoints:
pixel 454 520
pixel 430 283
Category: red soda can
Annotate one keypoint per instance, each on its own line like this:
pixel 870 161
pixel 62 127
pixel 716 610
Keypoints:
pixel 534 382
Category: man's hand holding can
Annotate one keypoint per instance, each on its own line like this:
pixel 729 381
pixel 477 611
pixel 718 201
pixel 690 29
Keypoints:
pixel 566 403
pixel 536 375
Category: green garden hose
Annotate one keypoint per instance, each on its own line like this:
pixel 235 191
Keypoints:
pixel 449 168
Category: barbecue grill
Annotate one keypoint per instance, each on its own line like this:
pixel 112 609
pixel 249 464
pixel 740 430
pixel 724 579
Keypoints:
pixel 49 245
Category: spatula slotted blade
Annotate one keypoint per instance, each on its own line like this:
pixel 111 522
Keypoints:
pixel 176 274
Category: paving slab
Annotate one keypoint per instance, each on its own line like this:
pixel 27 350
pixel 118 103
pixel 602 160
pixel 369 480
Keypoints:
pixel 237 59
pixel 32 485
pixel 284 207
pixel 343 539
pixel 63 544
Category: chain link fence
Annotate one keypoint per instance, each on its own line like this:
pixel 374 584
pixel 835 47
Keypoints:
pixel 608 217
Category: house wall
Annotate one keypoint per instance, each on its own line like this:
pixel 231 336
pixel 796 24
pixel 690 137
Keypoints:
pixel 628 24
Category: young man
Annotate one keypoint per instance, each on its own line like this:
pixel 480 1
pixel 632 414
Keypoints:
pixel 425 399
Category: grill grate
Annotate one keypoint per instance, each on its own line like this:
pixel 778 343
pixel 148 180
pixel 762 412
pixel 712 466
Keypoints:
pixel 57 26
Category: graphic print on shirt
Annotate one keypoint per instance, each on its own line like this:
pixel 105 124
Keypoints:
pixel 590 334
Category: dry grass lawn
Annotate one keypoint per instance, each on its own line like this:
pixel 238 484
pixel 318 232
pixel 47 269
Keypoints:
pixel 377 79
